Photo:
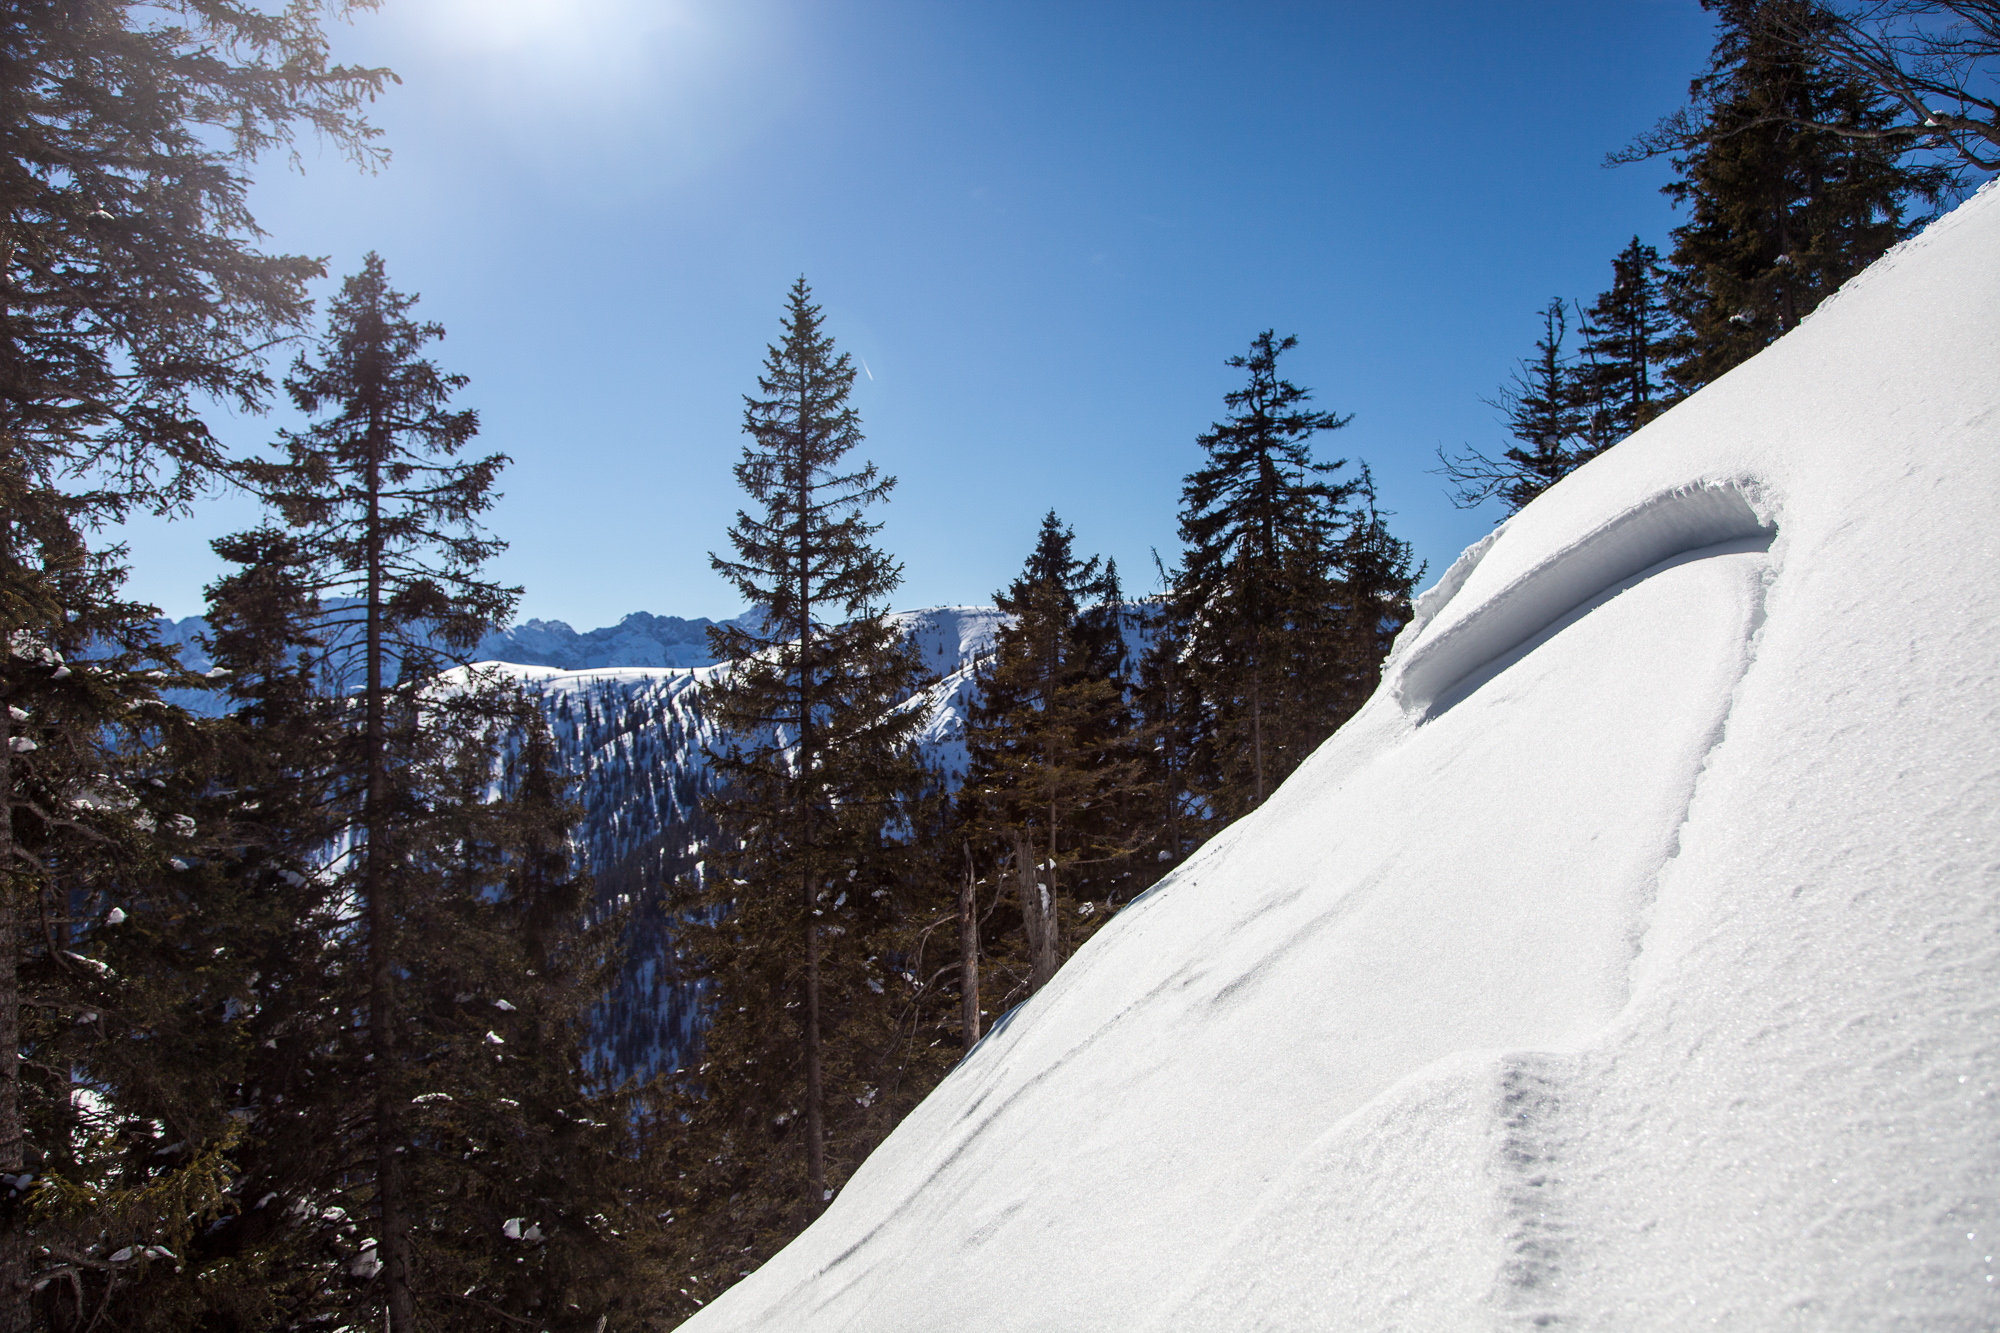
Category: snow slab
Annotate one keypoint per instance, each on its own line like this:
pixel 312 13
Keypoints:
pixel 1632 961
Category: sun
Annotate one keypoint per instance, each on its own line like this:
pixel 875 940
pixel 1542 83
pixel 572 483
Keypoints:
pixel 555 27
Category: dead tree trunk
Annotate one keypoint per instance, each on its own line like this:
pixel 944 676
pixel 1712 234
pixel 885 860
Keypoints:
pixel 968 954
pixel 1038 913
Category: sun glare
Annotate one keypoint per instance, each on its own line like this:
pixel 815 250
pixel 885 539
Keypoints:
pixel 684 75
pixel 567 30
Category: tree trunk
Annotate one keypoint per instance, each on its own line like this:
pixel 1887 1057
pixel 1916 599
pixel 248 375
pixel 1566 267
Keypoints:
pixel 1257 722
pixel 809 818
pixel 968 954
pixel 1038 911
pixel 815 1091
pixel 15 1311
pixel 389 1185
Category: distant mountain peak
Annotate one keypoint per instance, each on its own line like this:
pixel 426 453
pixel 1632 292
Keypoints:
pixel 641 639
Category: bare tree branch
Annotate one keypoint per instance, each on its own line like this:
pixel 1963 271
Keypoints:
pixel 1938 59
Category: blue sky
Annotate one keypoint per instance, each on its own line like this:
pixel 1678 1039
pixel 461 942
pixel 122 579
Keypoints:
pixel 1044 226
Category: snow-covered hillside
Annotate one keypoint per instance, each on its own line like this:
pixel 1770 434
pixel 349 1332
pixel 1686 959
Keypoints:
pixel 639 640
pixel 633 738
pixel 628 726
pixel 1632 961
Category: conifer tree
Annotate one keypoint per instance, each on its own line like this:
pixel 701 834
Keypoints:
pixel 1377 582
pixel 1172 738
pixel 1543 406
pixel 227 997
pixel 131 292
pixel 1121 824
pixel 796 928
pixel 390 518
pixel 514 1172
pixel 1260 520
pixel 1050 741
pixel 97 807
pixel 261 895
pixel 1781 210
pixel 1618 381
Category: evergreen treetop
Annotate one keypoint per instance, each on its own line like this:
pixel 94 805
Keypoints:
pixel 1246 503
pixel 819 785
pixel 1050 740
pixel 1781 209
pixel 1618 383
pixel 810 552
pixel 1260 521
pixel 376 488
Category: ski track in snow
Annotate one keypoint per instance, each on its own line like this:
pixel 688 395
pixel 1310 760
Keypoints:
pixel 1533 1091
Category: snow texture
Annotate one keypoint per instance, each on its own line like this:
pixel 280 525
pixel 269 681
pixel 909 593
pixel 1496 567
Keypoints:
pixel 1631 961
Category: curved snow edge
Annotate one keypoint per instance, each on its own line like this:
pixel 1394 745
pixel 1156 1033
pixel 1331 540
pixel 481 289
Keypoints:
pixel 1659 528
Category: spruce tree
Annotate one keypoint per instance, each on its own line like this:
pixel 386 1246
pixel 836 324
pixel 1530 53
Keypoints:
pixel 1053 765
pixel 514 1171
pixel 1618 381
pixel 1260 519
pixel 1172 738
pixel 1376 584
pixel 131 293
pixel 99 805
pixel 797 927
pixel 1121 822
pixel 228 996
pixel 1542 403
pixel 390 517
pixel 1781 209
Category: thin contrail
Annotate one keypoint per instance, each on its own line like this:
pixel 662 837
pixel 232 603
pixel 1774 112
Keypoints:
pixel 864 366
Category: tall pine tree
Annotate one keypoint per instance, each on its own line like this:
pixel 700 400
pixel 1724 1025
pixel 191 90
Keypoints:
pixel 1260 519
pixel 796 928
pixel 389 516
pixel 1051 740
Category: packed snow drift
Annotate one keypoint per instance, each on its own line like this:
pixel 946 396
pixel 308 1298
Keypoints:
pixel 1632 961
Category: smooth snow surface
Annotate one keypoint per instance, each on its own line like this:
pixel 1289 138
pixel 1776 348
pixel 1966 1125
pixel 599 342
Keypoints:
pixel 1632 961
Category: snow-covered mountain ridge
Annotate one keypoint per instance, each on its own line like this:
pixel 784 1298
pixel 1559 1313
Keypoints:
pixel 624 708
pixel 633 737
pixel 1627 963
pixel 639 640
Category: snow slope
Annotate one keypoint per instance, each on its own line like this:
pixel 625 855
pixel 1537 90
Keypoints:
pixel 1632 961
